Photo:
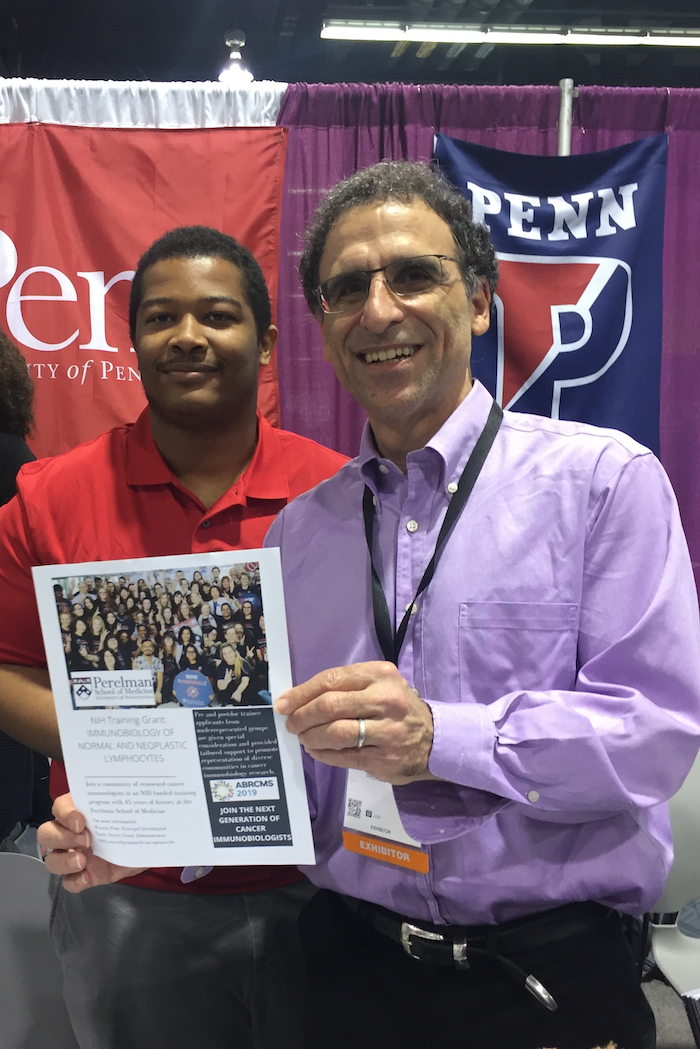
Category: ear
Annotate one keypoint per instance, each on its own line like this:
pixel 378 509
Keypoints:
pixel 267 345
pixel 481 305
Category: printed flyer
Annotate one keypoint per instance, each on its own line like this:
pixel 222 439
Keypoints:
pixel 164 671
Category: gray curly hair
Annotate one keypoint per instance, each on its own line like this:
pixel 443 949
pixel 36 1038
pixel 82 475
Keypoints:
pixel 404 181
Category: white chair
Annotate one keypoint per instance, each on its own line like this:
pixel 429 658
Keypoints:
pixel 32 1012
pixel 678 956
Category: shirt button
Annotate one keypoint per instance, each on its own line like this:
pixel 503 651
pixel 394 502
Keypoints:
pixel 452 487
pixel 533 796
pixel 383 469
pixel 411 608
pixel 205 524
pixel 412 526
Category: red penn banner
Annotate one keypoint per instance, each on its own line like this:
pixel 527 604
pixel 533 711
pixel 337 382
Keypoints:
pixel 79 206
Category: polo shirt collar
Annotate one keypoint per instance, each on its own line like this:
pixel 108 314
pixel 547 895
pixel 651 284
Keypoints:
pixel 453 442
pixel 264 478
pixel 144 463
pixel 266 475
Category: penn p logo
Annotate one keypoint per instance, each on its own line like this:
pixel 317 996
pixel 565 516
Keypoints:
pixel 561 322
pixel 577 323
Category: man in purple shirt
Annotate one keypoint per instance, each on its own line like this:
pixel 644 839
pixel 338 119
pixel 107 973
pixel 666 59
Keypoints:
pixel 546 699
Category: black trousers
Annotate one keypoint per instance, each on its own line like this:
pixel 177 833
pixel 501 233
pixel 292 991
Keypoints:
pixel 145 969
pixel 365 992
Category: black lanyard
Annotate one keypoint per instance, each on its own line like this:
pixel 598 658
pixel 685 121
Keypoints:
pixel 390 642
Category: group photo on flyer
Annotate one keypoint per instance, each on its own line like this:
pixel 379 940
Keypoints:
pixel 204 627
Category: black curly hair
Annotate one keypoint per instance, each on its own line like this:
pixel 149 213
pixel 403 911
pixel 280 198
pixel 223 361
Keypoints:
pixel 191 242
pixel 404 181
pixel 16 390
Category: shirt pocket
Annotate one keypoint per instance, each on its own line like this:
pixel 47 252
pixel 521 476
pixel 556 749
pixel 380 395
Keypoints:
pixel 511 646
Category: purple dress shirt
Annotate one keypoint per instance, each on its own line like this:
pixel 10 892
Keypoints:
pixel 557 646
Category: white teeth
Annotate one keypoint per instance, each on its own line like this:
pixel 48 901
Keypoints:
pixel 390 355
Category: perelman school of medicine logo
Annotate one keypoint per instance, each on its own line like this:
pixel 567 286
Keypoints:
pixel 112 688
pixel 577 315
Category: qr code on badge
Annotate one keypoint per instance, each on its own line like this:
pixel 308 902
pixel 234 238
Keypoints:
pixel 354 808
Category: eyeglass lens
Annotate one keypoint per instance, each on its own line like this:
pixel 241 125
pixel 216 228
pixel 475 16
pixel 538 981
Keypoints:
pixel 405 277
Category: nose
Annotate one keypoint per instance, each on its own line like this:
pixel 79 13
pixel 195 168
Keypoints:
pixel 381 307
pixel 188 334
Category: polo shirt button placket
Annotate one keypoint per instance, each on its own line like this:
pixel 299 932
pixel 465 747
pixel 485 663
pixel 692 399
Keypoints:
pixel 206 523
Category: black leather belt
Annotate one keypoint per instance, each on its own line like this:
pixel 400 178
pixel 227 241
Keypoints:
pixel 454 944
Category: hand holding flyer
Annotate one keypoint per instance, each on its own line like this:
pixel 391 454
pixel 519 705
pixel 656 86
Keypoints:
pixel 69 853
pixel 172 747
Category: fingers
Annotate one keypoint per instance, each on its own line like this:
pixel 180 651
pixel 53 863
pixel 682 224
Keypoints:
pixel 338 679
pixel 66 856
pixel 70 855
pixel 380 701
pixel 79 867
pixel 95 871
pixel 67 835
pixel 335 710
pixel 55 835
pixel 65 811
pixel 76 882
pixel 68 863
pixel 324 711
pixel 386 733
pixel 339 735
pixel 395 749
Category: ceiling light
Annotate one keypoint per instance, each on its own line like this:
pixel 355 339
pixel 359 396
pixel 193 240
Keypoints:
pixel 234 73
pixel 335 29
pixel 435 32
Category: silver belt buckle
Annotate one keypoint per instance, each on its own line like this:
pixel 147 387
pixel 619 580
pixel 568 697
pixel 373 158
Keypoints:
pixel 459 954
pixel 408 930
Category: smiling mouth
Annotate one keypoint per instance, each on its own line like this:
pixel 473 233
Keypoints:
pixel 391 354
pixel 187 368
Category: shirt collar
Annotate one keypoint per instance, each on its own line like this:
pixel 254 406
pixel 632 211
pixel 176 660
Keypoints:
pixel 265 476
pixel 453 443
pixel 144 463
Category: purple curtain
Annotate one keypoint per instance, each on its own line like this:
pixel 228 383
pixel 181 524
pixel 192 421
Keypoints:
pixel 336 129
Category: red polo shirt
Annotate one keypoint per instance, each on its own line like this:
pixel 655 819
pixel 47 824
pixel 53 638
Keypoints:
pixel 116 498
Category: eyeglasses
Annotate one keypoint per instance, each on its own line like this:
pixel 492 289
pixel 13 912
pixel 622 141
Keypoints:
pixel 404 277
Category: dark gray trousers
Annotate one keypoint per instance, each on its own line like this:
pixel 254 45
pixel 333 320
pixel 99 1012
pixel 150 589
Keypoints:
pixel 164 970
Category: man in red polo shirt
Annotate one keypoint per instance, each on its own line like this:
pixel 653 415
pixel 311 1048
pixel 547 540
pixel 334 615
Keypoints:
pixel 153 962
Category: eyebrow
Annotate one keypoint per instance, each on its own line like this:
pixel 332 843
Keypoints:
pixel 165 301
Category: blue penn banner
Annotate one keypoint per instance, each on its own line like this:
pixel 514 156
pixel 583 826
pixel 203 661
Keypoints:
pixel 576 327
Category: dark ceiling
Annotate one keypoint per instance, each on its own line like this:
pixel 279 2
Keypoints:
pixel 185 40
